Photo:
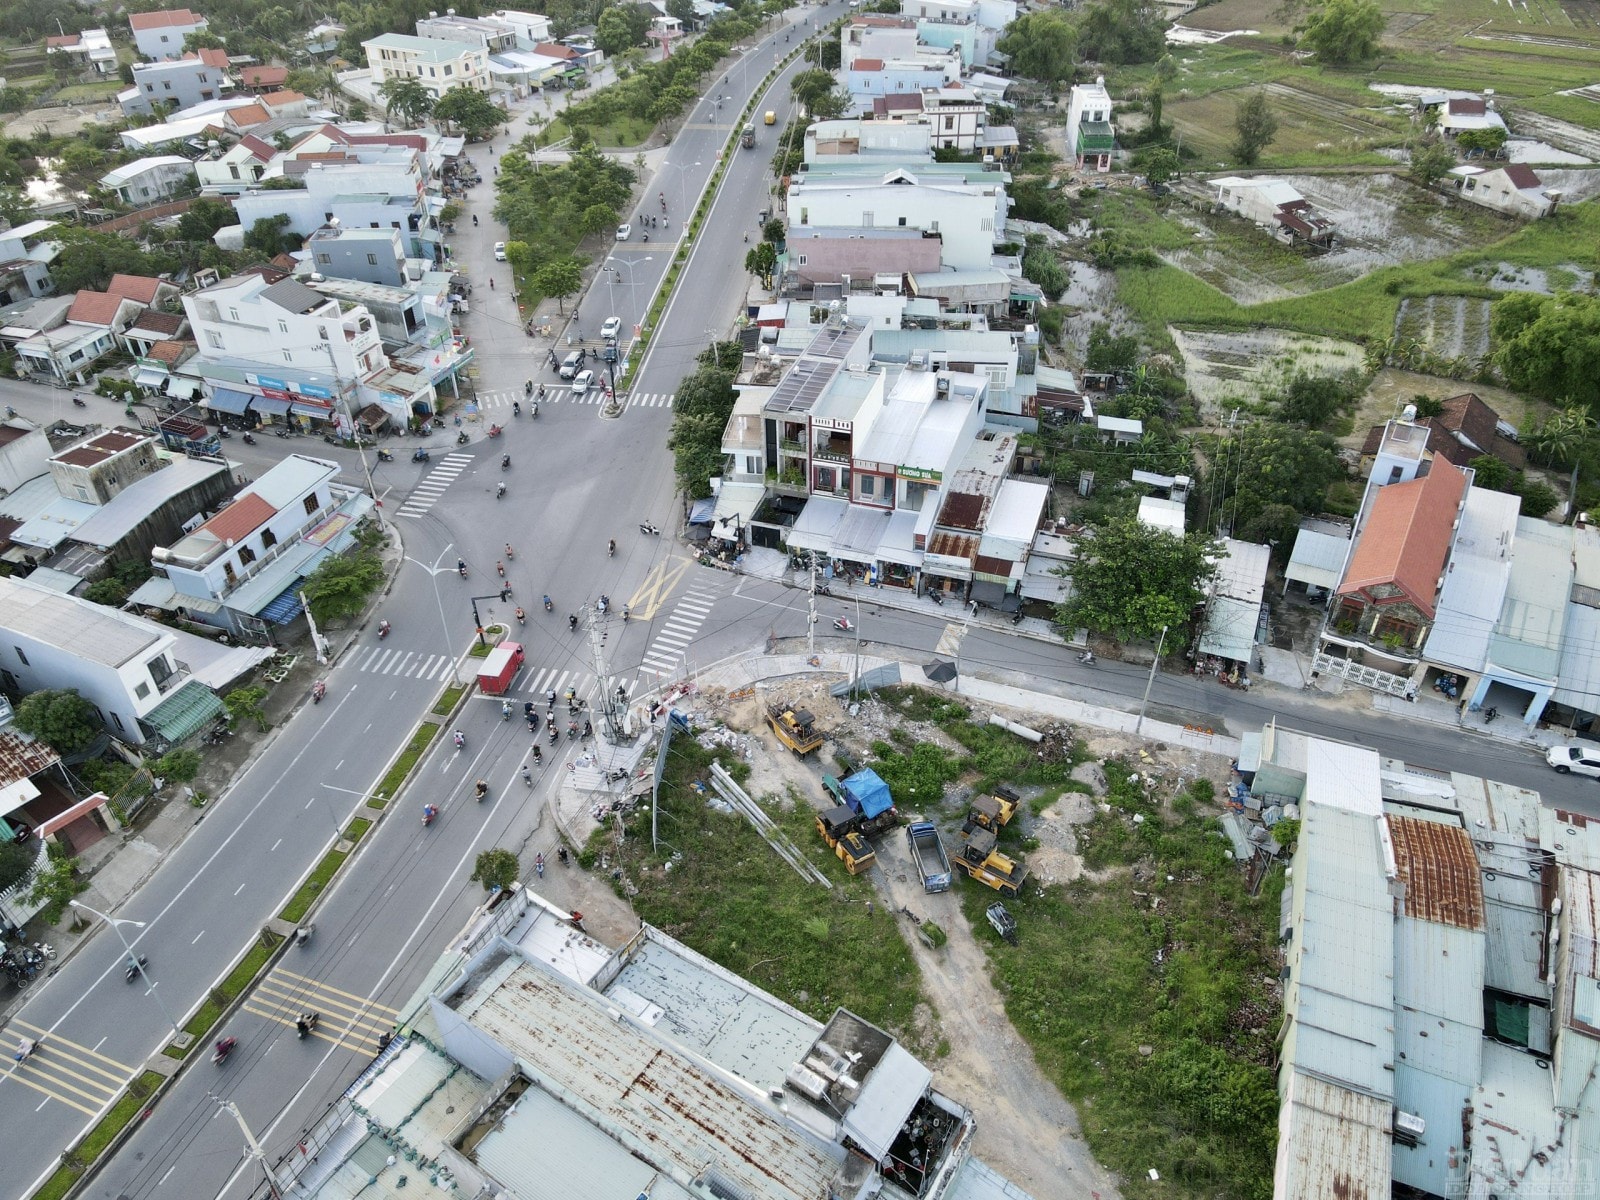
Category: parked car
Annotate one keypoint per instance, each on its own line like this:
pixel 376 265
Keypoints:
pixel 612 328
pixel 624 232
pixel 499 252
pixel 582 384
pixel 571 365
pixel 1579 760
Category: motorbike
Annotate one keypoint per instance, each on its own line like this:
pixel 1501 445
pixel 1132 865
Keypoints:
pixel 505 710
pixel 79 402
pixel 480 790
pixel 522 617
pixel 534 412
pixel 510 553
pixel 555 734
pixel 647 528
pixel 843 623
pixel 549 605
pixel 611 548
pixel 461 438
pixel 420 456
pixel 538 866
pixel 383 630
pixel 224 432
pixel 429 812
pixel 306 1024
pixel 249 439
pixel 1087 658
pixel 572 622
pixel 461 569
pixel 133 966
pixel 527 775
pixel 224 1048
pixel 24 1049
pixel 383 455
pixel 495 431
pixel 302 934
pixel 460 739
pixel 1016 617
pixel 505 462
pixel 572 731
pixel 516 408
pixel 500 492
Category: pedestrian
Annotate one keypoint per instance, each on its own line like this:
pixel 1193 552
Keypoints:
pixel 491 283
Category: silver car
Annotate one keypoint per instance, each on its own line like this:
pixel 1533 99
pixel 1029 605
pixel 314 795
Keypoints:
pixel 582 384
pixel 571 365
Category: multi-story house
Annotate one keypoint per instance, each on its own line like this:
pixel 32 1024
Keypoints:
pixel 1273 205
pixel 90 50
pixel 373 255
pixel 26 253
pixel 530 28
pixel 232 171
pixel 240 570
pixel 1091 139
pixel 160 35
pixel 493 34
pixel 437 65
pixel 960 203
pixel 386 194
pixel 272 345
pixel 174 84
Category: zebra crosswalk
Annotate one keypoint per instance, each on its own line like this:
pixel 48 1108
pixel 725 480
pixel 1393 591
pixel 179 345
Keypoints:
pixel 381 660
pixel 666 652
pixel 345 1019
pixel 562 394
pixel 539 681
pixel 426 494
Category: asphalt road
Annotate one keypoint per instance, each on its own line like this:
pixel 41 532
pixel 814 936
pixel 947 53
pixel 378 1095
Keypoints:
pixel 576 479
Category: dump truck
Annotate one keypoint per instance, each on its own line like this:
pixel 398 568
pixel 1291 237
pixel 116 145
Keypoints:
pixel 927 851
pixel 839 827
pixel 992 812
pixel 982 861
pixel 795 728
pixel 867 796
pixel 747 139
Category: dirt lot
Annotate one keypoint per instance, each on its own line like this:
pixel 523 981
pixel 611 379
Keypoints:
pixel 1391 390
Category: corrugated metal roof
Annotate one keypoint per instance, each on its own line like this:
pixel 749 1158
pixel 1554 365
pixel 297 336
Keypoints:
pixel 1527 637
pixel 1333 1143
pixel 891 1091
pixel 1242 570
pixel 1504 825
pixel 1230 628
pixel 1521 1146
pixel 85 630
pixel 1475 581
pixel 658 1103
pixel 1440 872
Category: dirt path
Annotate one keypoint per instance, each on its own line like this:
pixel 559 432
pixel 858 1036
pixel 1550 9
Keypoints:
pixel 1026 1130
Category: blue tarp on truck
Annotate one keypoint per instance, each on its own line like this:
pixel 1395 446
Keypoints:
pixel 870 792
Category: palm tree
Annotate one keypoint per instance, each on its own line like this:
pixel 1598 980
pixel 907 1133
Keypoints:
pixel 405 100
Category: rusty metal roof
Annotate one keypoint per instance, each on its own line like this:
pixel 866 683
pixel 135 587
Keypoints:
pixel 22 759
pixel 1440 871
pixel 1333 1143
pixel 954 545
pixel 668 1108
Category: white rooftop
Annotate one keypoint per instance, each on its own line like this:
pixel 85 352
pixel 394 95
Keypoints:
pixel 78 627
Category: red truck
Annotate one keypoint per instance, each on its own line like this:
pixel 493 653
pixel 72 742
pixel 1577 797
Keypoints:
pixel 500 668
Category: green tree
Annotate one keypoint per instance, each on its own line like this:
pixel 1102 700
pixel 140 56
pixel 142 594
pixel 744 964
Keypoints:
pixel 816 90
pixel 773 231
pixel 825 53
pixel 1550 346
pixel 1314 400
pixel 1041 45
pixel 1481 141
pixel 1109 353
pixel 245 704
pixel 683 10
pixel 497 868
pixel 270 236
pixel 613 33
pixel 1160 164
pixel 560 277
pixel 1121 31
pixel 470 111
pixel 89 259
pixel 701 407
pixel 179 766
pixel 1254 127
pixel 1431 160
pixel 113 591
pixel 204 217
pixel 1264 464
pixel 405 100
pixel 16 864
pixel 1041 266
pixel 338 589
pixel 761 260
pixel 1129 579
pixel 56 884
pixel 1344 31
pixel 60 718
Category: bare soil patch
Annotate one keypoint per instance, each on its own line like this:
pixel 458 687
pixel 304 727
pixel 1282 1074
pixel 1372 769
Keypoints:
pixel 1225 369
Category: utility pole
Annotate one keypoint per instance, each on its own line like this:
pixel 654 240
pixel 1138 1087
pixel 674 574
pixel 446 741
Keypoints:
pixel 613 704
pixel 811 605
pixel 1149 683
pixel 256 1151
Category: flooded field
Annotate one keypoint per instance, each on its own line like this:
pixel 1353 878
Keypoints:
pixel 1226 369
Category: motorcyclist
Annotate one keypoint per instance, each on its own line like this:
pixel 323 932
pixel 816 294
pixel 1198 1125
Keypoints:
pixel 538 865
pixel 572 622
pixel 527 772
pixel 500 491
pixel 611 547
pixel 429 812
pixel 510 553
pixel 481 788
pixel 521 616
pixel 505 461
pixel 549 605
pixel 461 567
pixel 516 408
pixel 505 710
pixel 460 739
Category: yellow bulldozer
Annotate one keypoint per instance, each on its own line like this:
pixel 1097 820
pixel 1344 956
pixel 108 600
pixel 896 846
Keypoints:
pixel 795 728
pixel 992 812
pixel 979 858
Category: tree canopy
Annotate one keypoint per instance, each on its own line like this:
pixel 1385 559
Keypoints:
pixel 1550 346
pixel 701 408
pixel 338 589
pixel 1254 127
pixel 61 718
pixel 405 100
pixel 559 277
pixel 1264 464
pixel 1042 45
pixel 1344 31
pixel 470 111
pixel 1130 579
pixel 1121 32
pixel 817 91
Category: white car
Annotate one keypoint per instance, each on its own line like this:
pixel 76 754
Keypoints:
pixel 1577 759
pixel 611 329
pixel 624 232
pixel 499 252
pixel 571 364
pixel 581 385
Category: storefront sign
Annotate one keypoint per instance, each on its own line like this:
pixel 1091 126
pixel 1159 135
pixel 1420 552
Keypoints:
pixel 921 473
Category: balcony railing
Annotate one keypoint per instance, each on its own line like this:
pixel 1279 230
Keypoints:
pixel 174 680
pixel 789 446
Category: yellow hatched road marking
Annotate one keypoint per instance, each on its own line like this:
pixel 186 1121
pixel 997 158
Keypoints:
pixel 323 988
pixel 56 1042
pixel 658 586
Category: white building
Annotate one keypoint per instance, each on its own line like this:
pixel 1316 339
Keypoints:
pixel 437 65
pixel 26 254
pixel 1091 137
pixel 1511 188
pixel 150 180
pixel 239 569
pixel 160 35
pixel 493 34
pixel 1461 114
pixel 356 195
pixel 176 84
pixel 122 664
pixel 531 28
pixel 1273 205
pixel 968 215
pixel 90 50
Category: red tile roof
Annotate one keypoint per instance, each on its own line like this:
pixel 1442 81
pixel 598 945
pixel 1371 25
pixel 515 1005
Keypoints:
pixel 553 50
pixel 171 353
pixel 241 518
pixel 162 20
pixel 1407 537
pixel 151 321
pixel 263 77
pixel 94 308
pixel 1467 108
pixel 212 56
pixel 1522 175
pixel 142 288
pixel 867 64
pixel 265 151
pixel 279 98
pixel 248 114
pixel 56 43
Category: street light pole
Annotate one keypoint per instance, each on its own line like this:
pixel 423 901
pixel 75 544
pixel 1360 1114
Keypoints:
pixel 1138 727
pixel 444 626
pixel 116 924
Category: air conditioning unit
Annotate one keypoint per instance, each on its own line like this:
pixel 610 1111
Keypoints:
pixel 918 361
pixel 1408 1128
pixel 941 386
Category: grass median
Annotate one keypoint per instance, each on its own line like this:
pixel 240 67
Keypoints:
pixel 99 1139
pixel 389 786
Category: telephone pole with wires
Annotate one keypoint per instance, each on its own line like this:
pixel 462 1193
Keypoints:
pixel 613 699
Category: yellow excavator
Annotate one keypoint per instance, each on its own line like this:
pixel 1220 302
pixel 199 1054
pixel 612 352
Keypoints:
pixel 795 728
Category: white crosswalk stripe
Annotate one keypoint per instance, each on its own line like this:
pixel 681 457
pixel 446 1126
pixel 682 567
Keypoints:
pixel 677 631
pixel 411 664
pixel 434 484
pixel 501 401
pixel 650 399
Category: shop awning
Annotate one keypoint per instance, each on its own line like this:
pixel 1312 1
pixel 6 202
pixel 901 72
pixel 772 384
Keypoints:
pixel 813 528
pixel 269 406
pixel 899 542
pixel 226 400
pixel 149 377
pixel 185 713
pixel 183 389
pixel 985 592
pixel 316 412
pixel 67 816
pixel 286 607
